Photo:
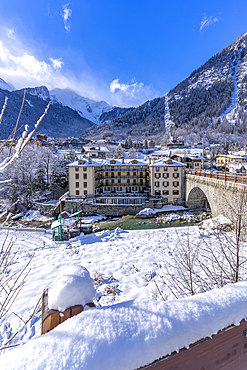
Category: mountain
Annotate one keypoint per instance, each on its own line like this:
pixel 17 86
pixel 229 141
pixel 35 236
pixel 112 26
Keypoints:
pixel 69 115
pixel 212 99
pixel 5 86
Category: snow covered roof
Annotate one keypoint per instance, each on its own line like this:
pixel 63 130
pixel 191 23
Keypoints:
pixel 167 162
pixel 86 162
pixel 95 148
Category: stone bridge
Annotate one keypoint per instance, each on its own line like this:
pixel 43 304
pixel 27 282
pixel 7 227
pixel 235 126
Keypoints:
pixel 215 190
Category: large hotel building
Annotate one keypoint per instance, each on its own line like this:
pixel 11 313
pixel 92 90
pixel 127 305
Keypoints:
pixel 125 181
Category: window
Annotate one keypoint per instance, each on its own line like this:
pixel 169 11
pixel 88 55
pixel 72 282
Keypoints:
pixel 165 175
pixel 107 189
pixel 106 182
pixel 141 174
pixel 157 175
pixel 106 173
pixel 128 173
pixel 175 168
pixel 165 192
pixel 175 183
pixel 165 200
pixel 175 192
pixel 196 164
pixel 84 168
pixel 134 188
pixel 85 176
pixel 157 192
pixel 134 173
pixel 119 181
pixel 112 181
pixel 119 173
pixel 165 168
pixel 157 168
pixel 112 169
pixel 77 176
pixel 176 175
pixel 77 192
pixel 119 188
pixel 141 182
pixel 157 184
pixel 85 184
pixel 134 181
pixel 77 184
pixel 85 192
pixel 77 168
pixel 128 181
pixel 175 200
pixel 165 183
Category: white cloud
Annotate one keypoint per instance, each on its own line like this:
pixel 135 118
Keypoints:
pixel 66 14
pixel 11 34
pixel 208 21
pixel 131 94
pixel 56 63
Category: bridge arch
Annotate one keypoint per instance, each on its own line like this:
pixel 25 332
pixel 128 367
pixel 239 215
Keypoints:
pixel 198 198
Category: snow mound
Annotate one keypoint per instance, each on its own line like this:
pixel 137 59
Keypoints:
pixel 216 223
pixel 146 212
pixel 73 286
pixel 131 334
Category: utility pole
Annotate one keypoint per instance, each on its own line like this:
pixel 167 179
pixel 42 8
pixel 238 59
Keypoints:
pixel 203 150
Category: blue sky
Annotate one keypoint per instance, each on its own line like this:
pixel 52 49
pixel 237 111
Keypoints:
pixel 121 51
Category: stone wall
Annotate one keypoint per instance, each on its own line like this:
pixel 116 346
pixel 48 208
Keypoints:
pixel 44 209
pixel 112 210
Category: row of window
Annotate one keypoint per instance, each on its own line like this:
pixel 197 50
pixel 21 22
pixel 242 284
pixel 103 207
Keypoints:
pixel 165 175
pixel 77 169
pixel 165 183
pixel 77 192
pixel 84 176
pixel 165 168
pixel 77 184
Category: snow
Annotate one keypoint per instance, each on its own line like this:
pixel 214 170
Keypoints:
pixel 130 326
pixel 85 107
pixel 146 212
pixel 33 215
pixel 73 286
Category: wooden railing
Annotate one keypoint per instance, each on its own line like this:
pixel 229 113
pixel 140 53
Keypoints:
pixel 218 175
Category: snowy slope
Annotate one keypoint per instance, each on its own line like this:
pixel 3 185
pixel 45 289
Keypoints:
pixel 5 86
pixel 86 108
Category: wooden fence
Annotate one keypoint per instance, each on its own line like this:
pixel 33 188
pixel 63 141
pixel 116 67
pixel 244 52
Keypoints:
pixel 227 350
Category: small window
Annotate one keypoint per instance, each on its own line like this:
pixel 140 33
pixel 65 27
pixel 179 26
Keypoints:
pixel 175 183
pixel 128 173
pixel 85 192
pixel 77 192
pixel 165 183
pixel 77 176
pixel 119 173
pixel 134 181
pixel 134 188
pixel 112 181
pixel 165 168
pixel 176 175
pixel 165 192
pixel 134 173
pixel 85 184
pixel 157 168
pixel 77 185
pixel 165 200
pixel 175 200
pixel 84 168
pixel 157 175
pixel 77 168
pixel 157 184
pixel 119 181
pixel 85 176
pixel 165 175
pixel 175 192
pixel 106 173
pixel 119 188
pixel 157 192
pixel 175 168
pixel 128 181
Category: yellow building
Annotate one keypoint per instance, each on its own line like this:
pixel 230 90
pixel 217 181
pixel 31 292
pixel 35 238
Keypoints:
pixel 166 179
pixel 223 160
pixel 125 181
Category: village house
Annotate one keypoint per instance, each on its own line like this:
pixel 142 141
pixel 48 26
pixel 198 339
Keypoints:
pixel 224 160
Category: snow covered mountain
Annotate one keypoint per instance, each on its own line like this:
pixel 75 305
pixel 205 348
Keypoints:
pixel 86 108
pixel 5 86
pixel 212 99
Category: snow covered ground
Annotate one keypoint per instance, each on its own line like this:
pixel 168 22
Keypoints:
pixel 131 326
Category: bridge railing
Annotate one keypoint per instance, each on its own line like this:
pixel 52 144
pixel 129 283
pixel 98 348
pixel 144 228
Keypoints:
pixel 226 176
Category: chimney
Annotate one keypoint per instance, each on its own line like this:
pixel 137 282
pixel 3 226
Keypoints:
pixel 122 159
pixel 89 160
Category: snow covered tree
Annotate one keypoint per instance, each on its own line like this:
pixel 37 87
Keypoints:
pixel 132 153
pixel 119 152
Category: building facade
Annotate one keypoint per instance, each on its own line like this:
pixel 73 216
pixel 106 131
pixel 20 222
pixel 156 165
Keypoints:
pixel 125 181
